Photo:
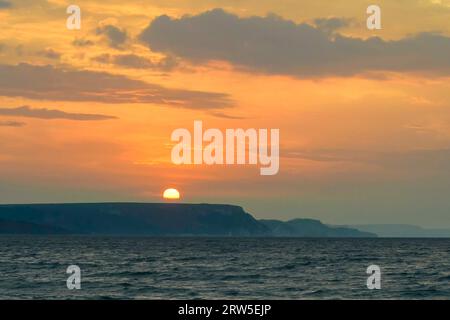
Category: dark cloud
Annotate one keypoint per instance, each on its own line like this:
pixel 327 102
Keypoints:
pixel 54 84
pixel 132 61
pixel 11 124
pixel 102 58
pixel 274 45
pixel 226 116
pixel 44 113
pixel 330 25
pixel 50 54
pixel 5 4
pixel 82 42
pixel 116 36
pixel 137 62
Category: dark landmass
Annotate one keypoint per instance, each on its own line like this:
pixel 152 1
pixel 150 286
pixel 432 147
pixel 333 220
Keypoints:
pixel 156 219
pixel 311 228
pixel 138 218
pixel 17 227
pixel 403 231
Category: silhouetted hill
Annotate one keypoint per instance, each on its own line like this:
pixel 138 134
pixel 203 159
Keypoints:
pixel 158 219
pixel 17 227
pixel 138 218
pixel 310 228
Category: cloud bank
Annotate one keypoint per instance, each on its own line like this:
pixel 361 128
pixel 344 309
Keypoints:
pixel 5 4
pixel 43 113
pixel 54 84
pixel 275 45
pixel 136 62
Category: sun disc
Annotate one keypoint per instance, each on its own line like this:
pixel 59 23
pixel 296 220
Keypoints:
pixel 171 194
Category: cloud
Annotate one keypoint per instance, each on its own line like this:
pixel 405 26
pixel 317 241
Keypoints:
pixel 102 58
pixel 333 155
pixel 79 42
pixel 137 62
pixel 419 160
pixel 330 25
pixel 11 124
pixel 226 116
pixel 275 45
pixel 49 53
pixel 5 4
pixel 54 84
pixel 42 113
pixel 116 37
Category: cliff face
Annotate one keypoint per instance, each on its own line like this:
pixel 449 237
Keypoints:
pixel 156 219
pixel 138 218
pixel 311 228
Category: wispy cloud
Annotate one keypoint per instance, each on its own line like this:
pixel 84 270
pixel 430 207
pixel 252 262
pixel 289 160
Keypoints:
pixel 80 42
pixel 136 62
pixel 226 116
pixel 11 124
pixel 50 53
pixel 54 84
pixel 400 161
pixel 43 113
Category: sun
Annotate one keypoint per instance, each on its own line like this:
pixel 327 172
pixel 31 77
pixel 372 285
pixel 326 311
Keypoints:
pixel 171 194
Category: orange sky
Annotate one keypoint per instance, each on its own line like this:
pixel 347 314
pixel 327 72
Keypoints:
pixel 361 141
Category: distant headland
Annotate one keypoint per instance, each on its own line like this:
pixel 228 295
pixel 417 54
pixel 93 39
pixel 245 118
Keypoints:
pixel 157 219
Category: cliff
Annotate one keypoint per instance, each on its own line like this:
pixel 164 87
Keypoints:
pixel 155 219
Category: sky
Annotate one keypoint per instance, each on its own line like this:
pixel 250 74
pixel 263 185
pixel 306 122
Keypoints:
pixel 364 115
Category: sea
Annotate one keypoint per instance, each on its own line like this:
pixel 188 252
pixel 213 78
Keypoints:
pixel 35 267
